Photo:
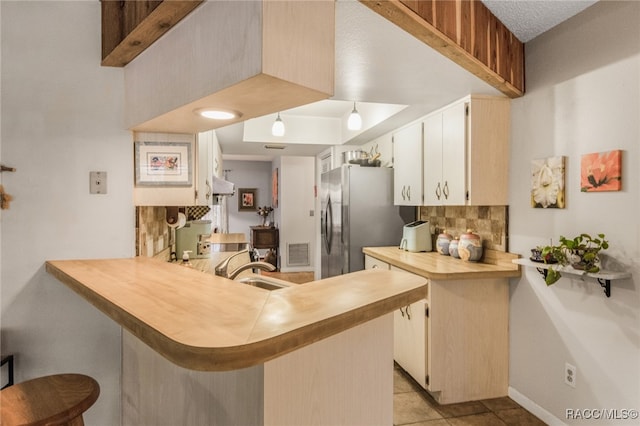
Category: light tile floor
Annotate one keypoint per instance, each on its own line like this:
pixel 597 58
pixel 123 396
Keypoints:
pixel 413 406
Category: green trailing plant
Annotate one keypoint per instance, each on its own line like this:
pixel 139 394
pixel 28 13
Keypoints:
pixel 581 252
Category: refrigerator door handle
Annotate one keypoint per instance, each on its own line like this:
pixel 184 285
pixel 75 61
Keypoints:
pixel 328 226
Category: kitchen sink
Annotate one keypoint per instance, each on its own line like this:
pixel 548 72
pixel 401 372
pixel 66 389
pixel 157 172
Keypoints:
pixel 264 282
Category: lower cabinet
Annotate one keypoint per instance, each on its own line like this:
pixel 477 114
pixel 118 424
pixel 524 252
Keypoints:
pixel 410 339
pixel 455 343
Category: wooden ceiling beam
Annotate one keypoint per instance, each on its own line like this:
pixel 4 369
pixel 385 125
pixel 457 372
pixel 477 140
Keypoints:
pixel 130 26
pixel 466 32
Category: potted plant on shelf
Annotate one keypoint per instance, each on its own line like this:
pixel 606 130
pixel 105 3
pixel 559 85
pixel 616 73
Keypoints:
pixel 581 253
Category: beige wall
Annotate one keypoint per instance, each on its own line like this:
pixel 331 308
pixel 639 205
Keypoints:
pixel 583 96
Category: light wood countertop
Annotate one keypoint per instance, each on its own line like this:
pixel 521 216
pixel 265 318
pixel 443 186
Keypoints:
pixel 433 265
pixel 203 322
pixel 228 238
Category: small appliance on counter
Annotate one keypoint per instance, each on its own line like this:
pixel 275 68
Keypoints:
pixel 416 236
pixel 194 237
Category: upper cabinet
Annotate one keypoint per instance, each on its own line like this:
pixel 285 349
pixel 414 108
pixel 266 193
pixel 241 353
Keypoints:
pixel 407 165
pixel 466 153
pixel 209 165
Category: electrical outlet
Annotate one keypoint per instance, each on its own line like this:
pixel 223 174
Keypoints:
pixel 570 374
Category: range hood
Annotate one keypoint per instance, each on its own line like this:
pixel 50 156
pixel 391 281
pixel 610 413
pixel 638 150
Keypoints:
pixel 222 187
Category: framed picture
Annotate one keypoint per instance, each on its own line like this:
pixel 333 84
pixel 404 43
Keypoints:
pixel 601 171
pixel 163 163
pixel 547 183
pixel 247 199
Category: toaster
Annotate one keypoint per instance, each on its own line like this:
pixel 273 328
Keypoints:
pixel 416 236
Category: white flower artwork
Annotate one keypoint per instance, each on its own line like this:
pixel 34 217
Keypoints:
pixel 547 183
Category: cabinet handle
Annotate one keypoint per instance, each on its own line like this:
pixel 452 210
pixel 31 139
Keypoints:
pixel 438 191
pixel 409 193
pixel 408 310
pixel 402 312
pixel 208 194
pixel 403 191
pixel 445 190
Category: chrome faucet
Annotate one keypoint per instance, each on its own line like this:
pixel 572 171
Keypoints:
pixel 222 268
pixel 258 265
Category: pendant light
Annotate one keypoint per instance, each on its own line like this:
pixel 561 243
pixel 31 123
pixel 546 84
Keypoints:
pixel 278 127
pixel 355 121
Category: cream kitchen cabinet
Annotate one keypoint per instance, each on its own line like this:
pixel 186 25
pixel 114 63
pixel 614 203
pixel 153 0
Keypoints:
pixel 209 165
pixel 373 263
pixel 410 327
pixel 407 165
pixel 455 342
pixel 409 331
pixel 466 152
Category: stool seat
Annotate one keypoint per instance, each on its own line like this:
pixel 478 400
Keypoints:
pixel 51 400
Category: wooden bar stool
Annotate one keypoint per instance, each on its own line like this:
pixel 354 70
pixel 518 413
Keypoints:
pixel 51 400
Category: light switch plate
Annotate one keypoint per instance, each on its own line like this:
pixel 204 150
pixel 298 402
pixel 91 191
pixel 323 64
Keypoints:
pixel 97 182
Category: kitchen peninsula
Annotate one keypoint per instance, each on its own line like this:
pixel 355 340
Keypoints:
pixel 454 342
pixel 202 349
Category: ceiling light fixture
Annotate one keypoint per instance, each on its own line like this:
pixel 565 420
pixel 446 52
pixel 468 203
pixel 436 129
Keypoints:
pixel 355 121
pixel 218 114
pixel 278 127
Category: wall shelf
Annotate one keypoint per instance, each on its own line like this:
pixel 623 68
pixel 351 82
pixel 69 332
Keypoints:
pixel 603 277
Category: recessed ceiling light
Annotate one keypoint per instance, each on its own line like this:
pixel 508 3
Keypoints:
pixel 218 114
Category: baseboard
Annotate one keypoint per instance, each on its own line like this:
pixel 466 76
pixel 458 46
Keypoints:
pixel 534 408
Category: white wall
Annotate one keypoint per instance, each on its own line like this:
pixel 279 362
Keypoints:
pixel 61 118
pixel 297 208
pixel 583 96
pixel 248 174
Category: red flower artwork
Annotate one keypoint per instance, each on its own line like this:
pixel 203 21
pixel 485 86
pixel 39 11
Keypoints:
pixel 601 171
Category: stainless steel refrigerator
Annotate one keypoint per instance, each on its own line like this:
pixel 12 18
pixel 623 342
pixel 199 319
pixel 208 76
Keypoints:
pixel 357 212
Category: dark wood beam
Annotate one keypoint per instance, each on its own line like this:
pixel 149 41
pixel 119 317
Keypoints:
pixel 131 26
pixel 466 32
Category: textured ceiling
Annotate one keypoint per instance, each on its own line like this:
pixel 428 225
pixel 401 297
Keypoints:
pixel 529 18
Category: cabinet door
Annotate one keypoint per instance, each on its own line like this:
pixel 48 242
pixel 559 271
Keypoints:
pixel 433 160
pixel 409 345
pixel 407 166
pixel 205 168
pixel 454 155
pixel 410 340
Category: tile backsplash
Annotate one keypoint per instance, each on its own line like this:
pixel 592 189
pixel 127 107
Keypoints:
pixel 490 222
pixel 152 232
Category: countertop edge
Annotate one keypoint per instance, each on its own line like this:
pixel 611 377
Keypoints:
pixel 241 355
pixel 505 269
